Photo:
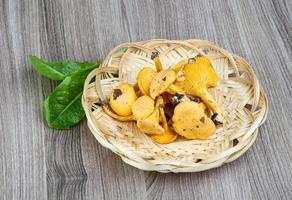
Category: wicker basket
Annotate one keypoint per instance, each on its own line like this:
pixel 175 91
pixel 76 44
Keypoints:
pixel 239 95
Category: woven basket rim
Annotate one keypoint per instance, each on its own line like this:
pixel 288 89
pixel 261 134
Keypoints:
pixel 238 65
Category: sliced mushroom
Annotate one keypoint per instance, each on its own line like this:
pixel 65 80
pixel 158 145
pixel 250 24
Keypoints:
pixel 144 79
pixel 190 121
pixel 143 107
pixel 168 135
pixel 122 98
pixel 150 125
pixel 161 82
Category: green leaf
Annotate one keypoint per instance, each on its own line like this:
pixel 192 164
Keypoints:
pixel 63 107
pixel 57 70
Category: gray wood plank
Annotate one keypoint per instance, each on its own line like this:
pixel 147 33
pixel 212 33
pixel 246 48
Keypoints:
pixel 41 163
pixel 108 176
pixel 66 176
pixel 23 169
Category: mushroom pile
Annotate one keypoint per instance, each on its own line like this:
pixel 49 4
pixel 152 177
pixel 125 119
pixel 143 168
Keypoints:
pixel 169 102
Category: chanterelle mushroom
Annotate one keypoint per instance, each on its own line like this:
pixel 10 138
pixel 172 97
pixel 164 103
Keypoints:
pixel 179 66
pixel 165 86
pixel 122 98
pixel 173 89
pixel 183 97
pixel 144 79
pixel 161 82
pixel 143 107
pixel 200 75
pixel 157 62
pixel 201 71
pixel 108 111
pixel 150 124
pixel 168 135
pixel 190 121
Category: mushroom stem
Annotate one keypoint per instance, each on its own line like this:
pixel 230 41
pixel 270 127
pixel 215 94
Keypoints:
pixel 168 135
pixel 157 62
pixel 173 89
pixel 179 66
pixel 207 98
pixel 136 87
pixel 163 119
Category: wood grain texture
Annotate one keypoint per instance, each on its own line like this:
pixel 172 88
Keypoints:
pixel 40 163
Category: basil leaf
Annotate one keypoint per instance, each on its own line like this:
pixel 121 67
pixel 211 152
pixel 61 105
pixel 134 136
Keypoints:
pixel 63 107
pixel 57 70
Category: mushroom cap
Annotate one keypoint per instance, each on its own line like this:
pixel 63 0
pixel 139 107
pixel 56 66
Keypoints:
pixel 200 73
pixel 205 108
pixel 150 124
pixel 161 82
pixel 143 107
pixel 190 121
pixel 165 137
pixel 147 125
pixel 180 84
pixel 144 79
pixel 122 98
pixel 110 113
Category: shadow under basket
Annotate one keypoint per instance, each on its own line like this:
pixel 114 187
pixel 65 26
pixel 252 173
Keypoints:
pixel 238 93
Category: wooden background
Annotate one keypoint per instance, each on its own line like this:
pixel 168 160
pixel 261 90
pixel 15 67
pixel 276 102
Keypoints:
pixel 40 163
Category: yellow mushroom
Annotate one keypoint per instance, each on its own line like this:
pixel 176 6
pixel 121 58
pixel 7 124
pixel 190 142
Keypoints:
pixel 108 111
pixel 177 98
pixel 173 89
pixel 144 79
pixel 205 108
pixel 161 82
pixel 143 107
pixel 179 65
pixel 180 83
pixel 122 98
pixel 150 125
pixel 157 62
pixel 201 71
pixel 190 121
pixel 168 135
pixel 200 75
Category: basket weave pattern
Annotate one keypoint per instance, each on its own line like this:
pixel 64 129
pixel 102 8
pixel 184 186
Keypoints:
pixel 242 100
